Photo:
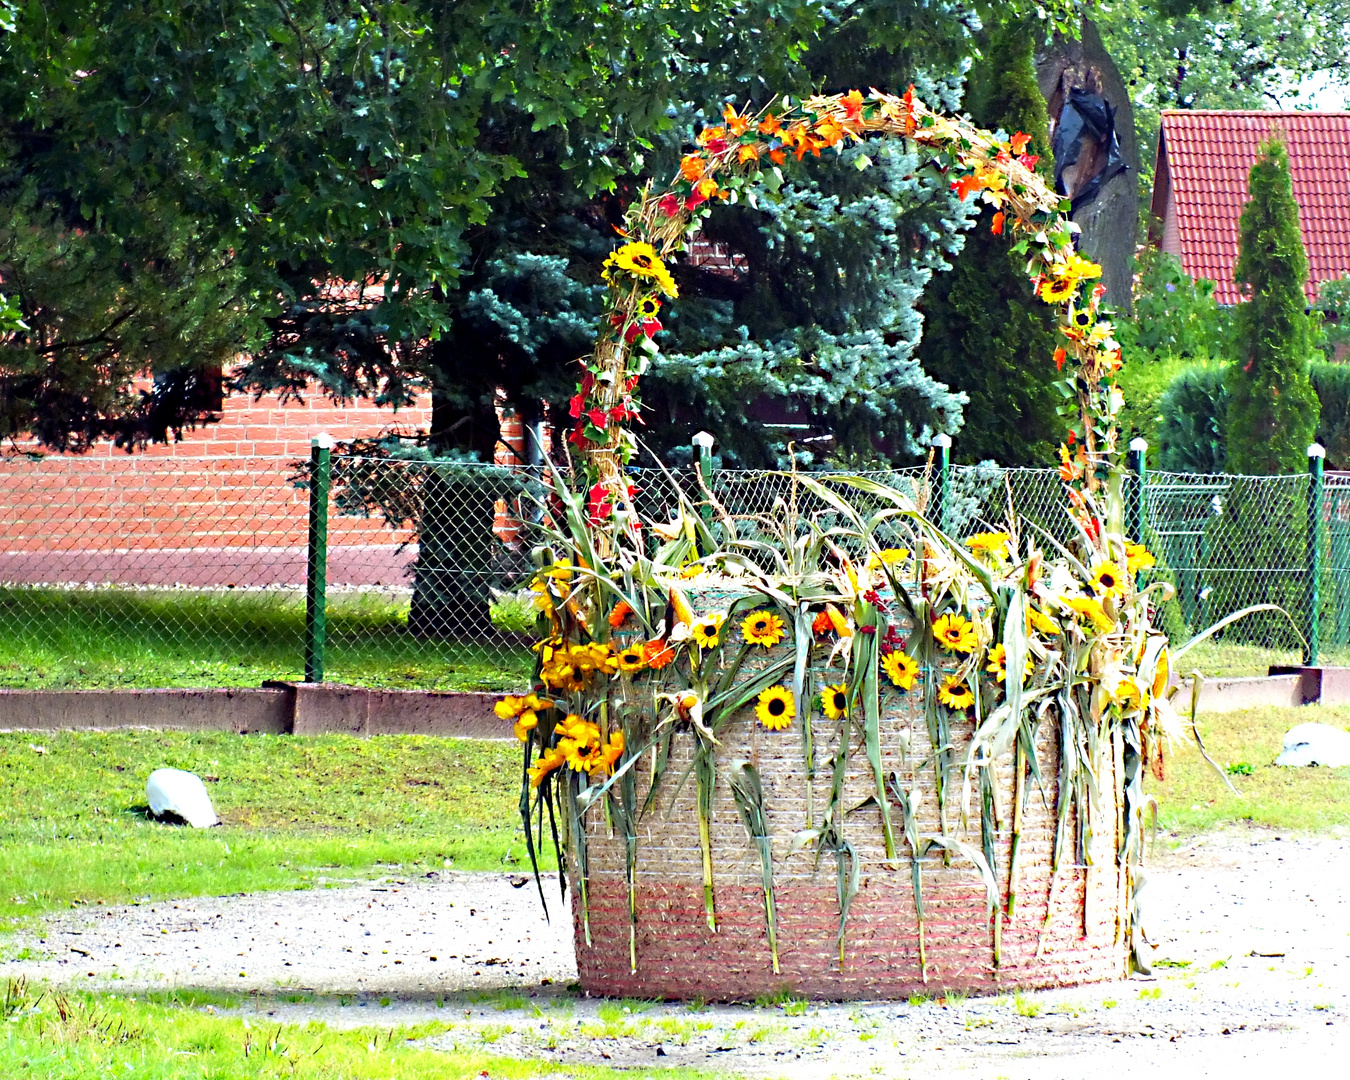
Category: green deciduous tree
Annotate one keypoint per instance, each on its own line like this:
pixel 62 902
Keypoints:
pixel 1272 413
pixel 985 333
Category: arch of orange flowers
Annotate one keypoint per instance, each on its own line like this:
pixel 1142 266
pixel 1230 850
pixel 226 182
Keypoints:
pixel 743 156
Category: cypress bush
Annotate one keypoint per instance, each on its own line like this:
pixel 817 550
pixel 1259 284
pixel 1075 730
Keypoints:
pixel 1272 410
pixel 984 332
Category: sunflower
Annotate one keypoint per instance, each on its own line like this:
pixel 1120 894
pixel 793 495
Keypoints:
pixel 889 558
pixel 997 665
pixel 632 659
pixel 648 307
pixel 955 694
pixel 989 545
pixel 775 707
pixel 1128 694
pixel 642 261
pixel 1040 621
pixel 548 761
pixel 834 700
pixel 706 629
pixel 762 628
pixel 1108 579
pixel 901 668
pixel 1087 608
pixel 583 756
pixel 1058 289
pixel 1138 557
pixel 1081 318
pixel 658 654
pixel 955 633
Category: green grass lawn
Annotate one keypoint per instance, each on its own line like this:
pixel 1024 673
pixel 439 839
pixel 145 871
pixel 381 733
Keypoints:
pixel 1192 798
pixel 174 1036
pixel 73 827
pixel 87 638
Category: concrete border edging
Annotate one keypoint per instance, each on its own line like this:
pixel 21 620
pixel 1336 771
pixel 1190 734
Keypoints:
pixel 272 709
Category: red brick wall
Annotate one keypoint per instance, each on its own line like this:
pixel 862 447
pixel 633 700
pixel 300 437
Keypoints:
pixel 214 509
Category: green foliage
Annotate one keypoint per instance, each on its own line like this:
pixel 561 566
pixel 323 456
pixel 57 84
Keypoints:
pixel 1272 412
pixel 295 809
pixel 1193 432
pixel 1333 305
pixel 1176 323
pixel 1332 384
pixel 985 333
pixel 1197 54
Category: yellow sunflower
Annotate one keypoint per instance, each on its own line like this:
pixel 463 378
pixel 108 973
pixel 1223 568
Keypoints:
pixel 955 633
pixel 775 707
pixel 834 700
pixel 1091 610
pixel 997 665
pixel 648 307
pixel 1038 620
pixel 1108 579
pixel 642 261
pixel 890 558
pixel 762 628
pixel 901 668
pixel 706 629
pixel 955 694
pixel 632 659
pixel 1058 289
pixel 1138 557
pixel 1128 695
pixel 989 545
pixel 548 761
pixel 583 756
pixel 609 754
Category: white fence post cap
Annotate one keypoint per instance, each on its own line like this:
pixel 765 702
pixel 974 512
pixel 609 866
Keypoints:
pixel 703 440
pixel 323 441
pixel 943 441
pixel 1317 450
pixel 1139 444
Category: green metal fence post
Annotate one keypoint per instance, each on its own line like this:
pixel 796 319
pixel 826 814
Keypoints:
pixel 940 512
pixel 316 575
pixel 1313 621
pixel 1137 505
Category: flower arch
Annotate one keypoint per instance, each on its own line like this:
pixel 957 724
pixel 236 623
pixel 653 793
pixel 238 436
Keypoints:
pixel 736 159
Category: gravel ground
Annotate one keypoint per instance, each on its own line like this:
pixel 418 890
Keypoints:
pixel 1253 972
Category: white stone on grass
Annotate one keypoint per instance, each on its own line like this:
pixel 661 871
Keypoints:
pixel 173 791
pixel 1315 744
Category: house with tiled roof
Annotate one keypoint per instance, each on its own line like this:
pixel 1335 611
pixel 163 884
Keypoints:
pixel 1200 187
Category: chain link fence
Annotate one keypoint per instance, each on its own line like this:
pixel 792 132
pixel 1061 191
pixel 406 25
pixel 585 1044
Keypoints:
pixel 158 572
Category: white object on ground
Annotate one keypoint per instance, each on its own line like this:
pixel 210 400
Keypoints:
pixel 1315 744
pixel 174 791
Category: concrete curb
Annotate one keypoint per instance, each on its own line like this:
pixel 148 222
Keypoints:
pixel 273 709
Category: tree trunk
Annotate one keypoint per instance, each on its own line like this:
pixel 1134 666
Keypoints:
pixel 1110 221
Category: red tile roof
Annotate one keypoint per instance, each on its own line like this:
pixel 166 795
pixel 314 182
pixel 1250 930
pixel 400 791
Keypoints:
pixel 1208 155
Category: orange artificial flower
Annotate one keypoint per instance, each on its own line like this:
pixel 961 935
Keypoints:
pixel 691 166
pixel 777 157
pixel 966 185
pixel 911 126
pixel 853 103
pixel 830 130
pixel 1019 142
pixel 997 227
pixel 1060 356
pixel 770 125
pixel 657 654
pixel 822 624
pixel 707 187
pixel 749 152
pixel 620 614
pixel 735 124
pixel 708 134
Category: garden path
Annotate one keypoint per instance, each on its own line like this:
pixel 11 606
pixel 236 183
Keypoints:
pixel 1253 972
